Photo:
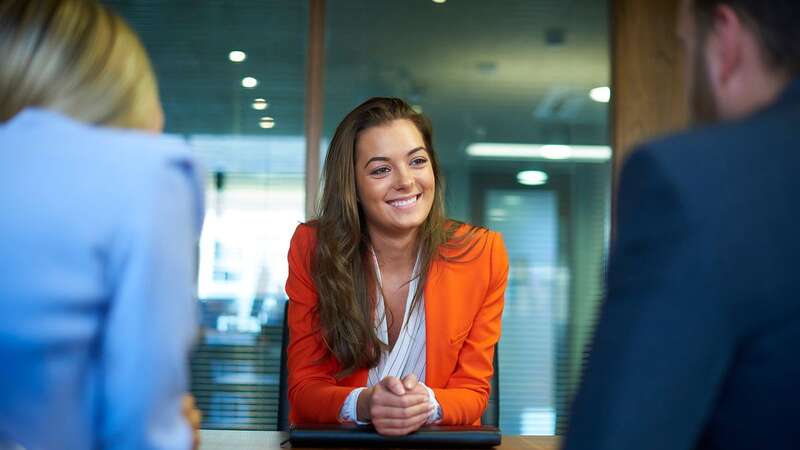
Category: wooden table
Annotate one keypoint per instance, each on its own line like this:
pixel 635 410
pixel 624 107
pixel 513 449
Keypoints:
pixel 271 440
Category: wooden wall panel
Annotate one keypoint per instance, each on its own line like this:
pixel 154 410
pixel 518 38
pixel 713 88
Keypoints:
pixel 315 83
pixel 647 74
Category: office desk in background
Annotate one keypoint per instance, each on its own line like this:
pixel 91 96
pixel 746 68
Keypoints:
pixel 271 440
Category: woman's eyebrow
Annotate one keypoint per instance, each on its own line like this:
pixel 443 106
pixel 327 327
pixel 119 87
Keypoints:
pixel 383 158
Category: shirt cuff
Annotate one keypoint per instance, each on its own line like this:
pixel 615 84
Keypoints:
pixel 436 415
pixel 349 411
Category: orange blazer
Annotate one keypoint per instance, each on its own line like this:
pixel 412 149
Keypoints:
pixel 463 305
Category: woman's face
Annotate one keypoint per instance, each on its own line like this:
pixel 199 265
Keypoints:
pixel 394 177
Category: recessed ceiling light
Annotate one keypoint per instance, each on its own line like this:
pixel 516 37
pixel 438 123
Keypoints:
pixel 237 56
pixel 439 1
pixel 260 104
pixel 266 122
pixel 532 177
pixel 249 82
pixel 601 94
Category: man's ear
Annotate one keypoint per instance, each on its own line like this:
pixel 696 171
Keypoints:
pixel 724 47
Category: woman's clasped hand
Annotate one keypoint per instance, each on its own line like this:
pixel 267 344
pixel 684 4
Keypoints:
pixel 395 406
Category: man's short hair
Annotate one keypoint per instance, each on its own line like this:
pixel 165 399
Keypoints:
pixel 775 22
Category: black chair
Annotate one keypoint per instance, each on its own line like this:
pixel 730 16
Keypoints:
pixel 491 416
pixel 283 388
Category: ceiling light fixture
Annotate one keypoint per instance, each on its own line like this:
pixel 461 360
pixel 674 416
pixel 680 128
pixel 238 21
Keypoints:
pixel 249 82
pixel 266 122
pixel 237 56
pixel 601 94
pixel 439 2
pixel 581 153
pixel 532 177
pixel 556 151
pixel 260 104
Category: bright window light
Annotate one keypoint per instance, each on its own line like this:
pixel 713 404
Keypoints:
pixel 237 56
pixel 601 94
pixel 580 153
pixel 249 82
pixel 532 177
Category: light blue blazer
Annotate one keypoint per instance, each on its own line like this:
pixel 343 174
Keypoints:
pixel 98 233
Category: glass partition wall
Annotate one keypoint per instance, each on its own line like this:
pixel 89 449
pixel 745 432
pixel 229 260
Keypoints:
pixel 523 143
pixel 517 93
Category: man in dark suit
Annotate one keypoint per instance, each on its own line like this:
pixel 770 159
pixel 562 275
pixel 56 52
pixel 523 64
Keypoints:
pixel 698 344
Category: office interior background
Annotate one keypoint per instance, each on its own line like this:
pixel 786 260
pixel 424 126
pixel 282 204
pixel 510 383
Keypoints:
pixel 517 91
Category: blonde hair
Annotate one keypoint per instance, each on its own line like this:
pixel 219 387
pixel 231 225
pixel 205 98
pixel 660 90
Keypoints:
pixel 75 57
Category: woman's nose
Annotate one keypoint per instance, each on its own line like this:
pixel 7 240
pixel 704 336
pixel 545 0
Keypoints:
pixel 405 179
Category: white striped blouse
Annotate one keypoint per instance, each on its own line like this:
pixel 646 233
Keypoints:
pixel 408 354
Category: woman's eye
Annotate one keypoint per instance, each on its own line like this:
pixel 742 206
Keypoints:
pixel 418 161
pixel 380 171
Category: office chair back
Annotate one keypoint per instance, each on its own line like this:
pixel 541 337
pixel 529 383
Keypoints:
pixel 283 387
pixel 491 416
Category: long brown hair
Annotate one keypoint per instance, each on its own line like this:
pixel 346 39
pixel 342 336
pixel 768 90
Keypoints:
pixel 344 278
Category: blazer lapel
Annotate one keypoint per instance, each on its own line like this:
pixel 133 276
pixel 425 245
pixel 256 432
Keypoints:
pixel 434 315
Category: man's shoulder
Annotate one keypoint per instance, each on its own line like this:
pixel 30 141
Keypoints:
pixel 716 173
pixel 727 142
pixel 730 165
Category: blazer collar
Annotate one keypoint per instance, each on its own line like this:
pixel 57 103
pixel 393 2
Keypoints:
pixel 790 94
pixel 434 311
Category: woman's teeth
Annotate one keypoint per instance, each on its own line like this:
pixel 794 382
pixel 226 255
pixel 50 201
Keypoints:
pixel 404 203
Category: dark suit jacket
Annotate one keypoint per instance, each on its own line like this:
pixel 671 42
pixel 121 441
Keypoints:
pixel 698 345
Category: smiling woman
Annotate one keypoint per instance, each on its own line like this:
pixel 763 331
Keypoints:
pixel 394 310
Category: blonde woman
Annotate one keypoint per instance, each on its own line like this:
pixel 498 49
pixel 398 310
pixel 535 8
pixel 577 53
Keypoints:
pixel 100 219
